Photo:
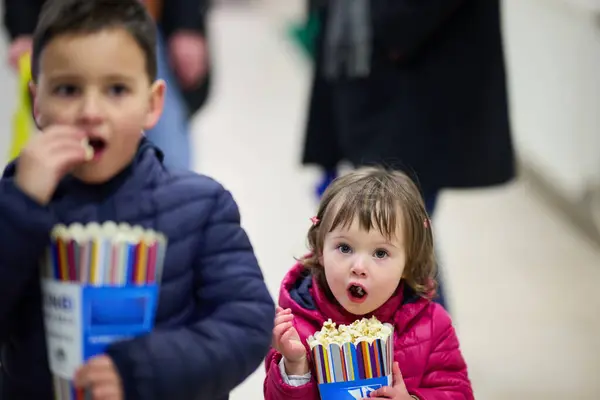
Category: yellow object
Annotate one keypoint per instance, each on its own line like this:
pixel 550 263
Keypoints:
pixel 22 120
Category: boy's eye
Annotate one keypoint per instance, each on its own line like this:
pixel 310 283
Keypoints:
pixel 344 248
pixel 118 90
pixel 66 90
pixel 381 253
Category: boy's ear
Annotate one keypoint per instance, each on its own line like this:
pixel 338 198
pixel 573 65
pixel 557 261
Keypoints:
pixel 155 103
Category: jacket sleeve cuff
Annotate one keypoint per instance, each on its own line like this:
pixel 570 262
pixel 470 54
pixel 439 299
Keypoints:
pixel 25 220
pixel 278 386
pixel 23 208
pixel 136 376
pixel 293 380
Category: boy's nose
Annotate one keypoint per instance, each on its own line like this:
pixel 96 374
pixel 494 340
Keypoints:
pixel 91 110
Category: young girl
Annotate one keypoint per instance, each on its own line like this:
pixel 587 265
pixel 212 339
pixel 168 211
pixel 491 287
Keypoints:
pixel 372 255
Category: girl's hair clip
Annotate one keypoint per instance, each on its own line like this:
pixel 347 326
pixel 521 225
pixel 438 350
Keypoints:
pixel 315 220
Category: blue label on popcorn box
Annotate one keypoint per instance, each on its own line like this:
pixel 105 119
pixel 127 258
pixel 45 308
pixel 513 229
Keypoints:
pixel 351 390
pixel 81 321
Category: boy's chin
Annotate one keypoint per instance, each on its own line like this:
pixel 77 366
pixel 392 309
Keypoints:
pixel 93 174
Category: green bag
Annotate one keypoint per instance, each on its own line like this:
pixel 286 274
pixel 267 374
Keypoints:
pixel 304 34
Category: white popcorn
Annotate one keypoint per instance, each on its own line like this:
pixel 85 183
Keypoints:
pixel 89 150
pixel 360 330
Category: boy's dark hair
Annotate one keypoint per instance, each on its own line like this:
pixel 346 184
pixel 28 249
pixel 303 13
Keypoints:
pixel 59 17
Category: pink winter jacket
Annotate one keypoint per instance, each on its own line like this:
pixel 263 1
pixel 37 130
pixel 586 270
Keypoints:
pixel 425 344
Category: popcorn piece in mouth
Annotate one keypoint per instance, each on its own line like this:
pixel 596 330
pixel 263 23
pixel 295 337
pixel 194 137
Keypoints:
pixel 89 150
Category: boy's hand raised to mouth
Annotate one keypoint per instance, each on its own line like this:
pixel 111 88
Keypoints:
pixel 47 158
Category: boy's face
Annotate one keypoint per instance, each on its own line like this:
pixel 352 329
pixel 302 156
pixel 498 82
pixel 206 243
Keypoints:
pixel 98 83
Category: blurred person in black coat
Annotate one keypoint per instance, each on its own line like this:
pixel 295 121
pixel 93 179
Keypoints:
pixel 417 85
pixel 182 62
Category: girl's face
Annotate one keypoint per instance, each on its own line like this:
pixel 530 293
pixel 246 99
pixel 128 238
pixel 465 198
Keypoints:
pixel 363 268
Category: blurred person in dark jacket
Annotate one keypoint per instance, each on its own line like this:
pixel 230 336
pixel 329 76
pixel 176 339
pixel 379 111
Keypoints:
pixel 415 85
pixel 182 62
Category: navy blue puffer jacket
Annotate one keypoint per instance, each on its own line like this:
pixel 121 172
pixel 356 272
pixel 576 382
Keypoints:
pixel 215 314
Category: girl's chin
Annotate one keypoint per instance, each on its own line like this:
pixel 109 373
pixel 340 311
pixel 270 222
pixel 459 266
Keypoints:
pixel 359 310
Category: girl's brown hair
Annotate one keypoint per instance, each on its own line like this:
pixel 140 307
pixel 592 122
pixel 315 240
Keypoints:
pixel 384 200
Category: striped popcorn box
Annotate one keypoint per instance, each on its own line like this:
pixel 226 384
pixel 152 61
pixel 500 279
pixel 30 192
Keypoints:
pixel 100 285
pixel 351 361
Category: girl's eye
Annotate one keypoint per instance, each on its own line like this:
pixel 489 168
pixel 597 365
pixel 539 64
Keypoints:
pixel 66 90
pixel 381 254
pixel 344 248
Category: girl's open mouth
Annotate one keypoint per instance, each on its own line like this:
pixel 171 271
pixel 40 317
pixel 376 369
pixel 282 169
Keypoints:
pixel 357 293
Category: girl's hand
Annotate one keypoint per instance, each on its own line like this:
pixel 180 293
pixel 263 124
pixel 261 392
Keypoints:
pixel 397 391
pixel 287 342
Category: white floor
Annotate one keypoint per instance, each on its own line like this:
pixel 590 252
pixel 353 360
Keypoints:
pixel 523 281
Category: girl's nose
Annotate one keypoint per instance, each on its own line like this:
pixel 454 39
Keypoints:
pixel 359 267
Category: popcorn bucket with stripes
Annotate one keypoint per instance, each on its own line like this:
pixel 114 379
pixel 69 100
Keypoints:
pixel 100 285
pixel 353 370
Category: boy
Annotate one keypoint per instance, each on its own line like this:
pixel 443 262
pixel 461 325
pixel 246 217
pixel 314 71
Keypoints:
pixel 182 62
pixel 94 68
